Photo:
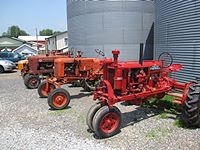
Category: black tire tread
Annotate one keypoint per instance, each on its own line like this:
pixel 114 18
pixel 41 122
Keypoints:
pixel 50 102
pixel 27 78
pixel 40 88
pixel 90 115
pixel 192 105
pixel 97 118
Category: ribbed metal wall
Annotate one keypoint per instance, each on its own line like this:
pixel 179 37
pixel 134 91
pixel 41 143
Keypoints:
pixel 108 25
pixel 177 31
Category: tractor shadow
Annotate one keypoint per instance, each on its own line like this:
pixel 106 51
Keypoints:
pixel 80 95
pixel 54 110
pixel 140 114
pixel 150 109
pixel 6 72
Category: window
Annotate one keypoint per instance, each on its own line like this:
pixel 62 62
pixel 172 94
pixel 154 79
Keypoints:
pixel 3 55
pixel 66 41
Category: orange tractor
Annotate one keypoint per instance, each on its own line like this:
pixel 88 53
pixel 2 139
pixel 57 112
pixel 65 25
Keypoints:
pixel 68 70
pixel 38 67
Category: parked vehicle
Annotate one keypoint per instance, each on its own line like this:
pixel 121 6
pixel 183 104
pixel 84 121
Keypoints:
pixel 136 82
pixel 6 65
pixel 12 56
pixel 37 68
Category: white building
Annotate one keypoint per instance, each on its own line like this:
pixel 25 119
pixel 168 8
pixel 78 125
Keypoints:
pixel 58 41
pixel 26 50
pixel 38 42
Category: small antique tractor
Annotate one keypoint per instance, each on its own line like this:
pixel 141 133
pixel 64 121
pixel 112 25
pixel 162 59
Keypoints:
pixel 67 70
pixel 21 64
pixel 136 82
pixel 37 68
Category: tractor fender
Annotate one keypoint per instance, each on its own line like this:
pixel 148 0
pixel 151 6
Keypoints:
pixel 185 91
pixel 111 97
pixel 110 89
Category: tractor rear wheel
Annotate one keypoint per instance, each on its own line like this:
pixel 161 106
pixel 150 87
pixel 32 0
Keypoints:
pixel 23 74
pixel 58 99
pixel 31 81
pixel 107 121
pixel 90 115
pixel 88 85
pixel 160 95
pixel 192 105
pixel 43 93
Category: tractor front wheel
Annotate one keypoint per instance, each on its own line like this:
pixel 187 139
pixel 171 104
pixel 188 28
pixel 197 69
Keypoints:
pixel 107 121
pixel 58 99
pixel 90 115
pixel 192 105
pixel 43 92
pixel 31 81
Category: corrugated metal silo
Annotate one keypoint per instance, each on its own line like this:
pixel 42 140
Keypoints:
pixel 108 25
pixel 177 31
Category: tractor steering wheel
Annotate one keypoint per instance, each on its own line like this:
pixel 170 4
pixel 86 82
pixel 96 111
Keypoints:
pixel 166 58
pixel 100 52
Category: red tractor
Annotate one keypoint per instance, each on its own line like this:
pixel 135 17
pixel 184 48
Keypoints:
pixel 68 70
pixel 136 82
pixel 38 67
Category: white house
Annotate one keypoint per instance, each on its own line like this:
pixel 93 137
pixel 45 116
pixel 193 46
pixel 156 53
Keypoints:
pixel 38 42
pixel 26 50
pixel 58 41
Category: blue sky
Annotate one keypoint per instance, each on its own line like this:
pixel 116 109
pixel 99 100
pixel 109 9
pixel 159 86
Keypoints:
pixel 32 14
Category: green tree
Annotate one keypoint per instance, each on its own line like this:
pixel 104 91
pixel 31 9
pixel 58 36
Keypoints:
pixel 46 32
pixel 57 32
pixel 14 31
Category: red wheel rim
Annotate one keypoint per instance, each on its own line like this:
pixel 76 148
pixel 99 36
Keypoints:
pixel 59 100
pixel 33 82
pixel 46 92
pixel 109 122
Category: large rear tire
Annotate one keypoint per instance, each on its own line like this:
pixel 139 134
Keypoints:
pixel 58 99
pixel 192 105
pixel 88 85
pixel 90 115
pixel 43 93
pixel 31 81
pixel 107 121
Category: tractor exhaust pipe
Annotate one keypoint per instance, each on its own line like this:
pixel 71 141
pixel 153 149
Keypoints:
pixel 115 55
pixel 141 53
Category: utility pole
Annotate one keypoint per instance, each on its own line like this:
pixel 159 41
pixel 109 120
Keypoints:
pixel 37 38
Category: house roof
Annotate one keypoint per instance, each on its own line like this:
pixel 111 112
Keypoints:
pixel 11 42
pixel 56 34
pixel 20 40
pixel 33 38
pixel 25 45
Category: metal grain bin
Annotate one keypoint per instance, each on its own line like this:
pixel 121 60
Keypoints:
pixel 108 25
pixel 177 31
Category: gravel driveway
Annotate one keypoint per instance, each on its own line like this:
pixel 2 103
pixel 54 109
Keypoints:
pixel 27 123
